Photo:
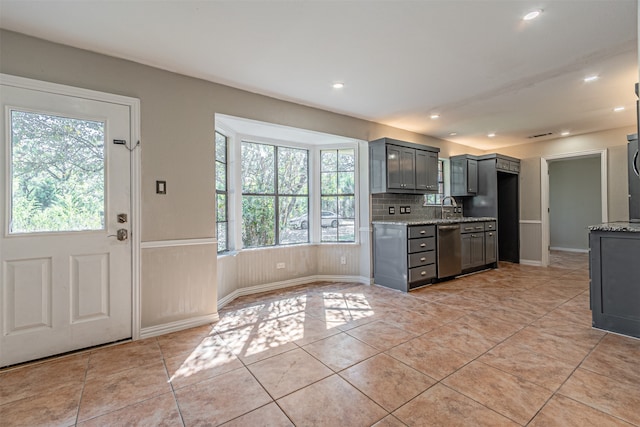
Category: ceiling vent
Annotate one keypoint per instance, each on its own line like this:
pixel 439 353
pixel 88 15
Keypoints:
pixel 540 135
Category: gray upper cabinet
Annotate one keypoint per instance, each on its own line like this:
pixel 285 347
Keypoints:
pixel 508 165
pixel 464 175
pixel 426 163
pixel 402 167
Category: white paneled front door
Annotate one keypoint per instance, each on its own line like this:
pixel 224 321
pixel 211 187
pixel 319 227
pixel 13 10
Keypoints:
pixel 65 252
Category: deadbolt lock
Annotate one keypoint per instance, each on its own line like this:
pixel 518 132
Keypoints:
pixel 122 218
pixel 123 234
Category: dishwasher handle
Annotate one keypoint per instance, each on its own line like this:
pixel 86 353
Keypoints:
pixel 449 227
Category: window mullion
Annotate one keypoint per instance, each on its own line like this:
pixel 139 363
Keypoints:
pixel 276 189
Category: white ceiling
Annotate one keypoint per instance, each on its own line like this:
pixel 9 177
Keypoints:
pixel 475 62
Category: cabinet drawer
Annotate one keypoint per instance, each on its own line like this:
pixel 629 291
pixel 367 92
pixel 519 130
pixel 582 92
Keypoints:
pixel 419 245
pixel 514 166
pixel 489 226
pixel 422 273
pixel 471 227
pixel 422 258
pixel 422 231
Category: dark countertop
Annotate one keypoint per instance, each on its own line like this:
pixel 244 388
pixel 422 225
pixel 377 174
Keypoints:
pixel 619 226
pixel 439 221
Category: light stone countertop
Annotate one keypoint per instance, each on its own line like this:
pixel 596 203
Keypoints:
pixel 437 221
pixel 618 226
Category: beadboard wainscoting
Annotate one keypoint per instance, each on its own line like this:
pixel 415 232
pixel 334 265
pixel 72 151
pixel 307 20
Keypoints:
pixel 256 270
pixel 530 242
pixel 178 285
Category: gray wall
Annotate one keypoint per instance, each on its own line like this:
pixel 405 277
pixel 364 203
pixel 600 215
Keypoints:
pixel 574 201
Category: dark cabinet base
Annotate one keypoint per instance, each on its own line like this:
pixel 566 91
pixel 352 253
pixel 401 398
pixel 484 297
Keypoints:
pixel 614 264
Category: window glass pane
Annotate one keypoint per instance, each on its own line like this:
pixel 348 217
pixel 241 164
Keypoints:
pixel 221 176
pixel 329 219
pixel 294 220
pixel 222 236
pixel 221 148
pixel 329 184
pixel 346 207
pixel 346 183
pixel 57 173
pixel 329 161
pixel 221 214
pixel 346 213
pixel 346 160
pixel 292 171
pixel 258 221
pixel 258 165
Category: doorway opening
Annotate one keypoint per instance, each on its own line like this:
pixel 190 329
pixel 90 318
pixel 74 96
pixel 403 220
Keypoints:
pixel 574 195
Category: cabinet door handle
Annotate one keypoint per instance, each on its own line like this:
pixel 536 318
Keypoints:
pixel 423 259
pixel 490 234
pixel 424 273
pixel 422 245
pixel 423 231
pixel 478 228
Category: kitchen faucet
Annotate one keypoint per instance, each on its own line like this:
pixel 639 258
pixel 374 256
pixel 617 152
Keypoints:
pixel 453 203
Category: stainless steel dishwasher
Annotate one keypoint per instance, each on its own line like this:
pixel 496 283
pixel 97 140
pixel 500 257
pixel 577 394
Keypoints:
pixel 449 253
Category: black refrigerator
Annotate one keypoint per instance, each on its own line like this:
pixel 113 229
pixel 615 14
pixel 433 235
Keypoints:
pixel 498 196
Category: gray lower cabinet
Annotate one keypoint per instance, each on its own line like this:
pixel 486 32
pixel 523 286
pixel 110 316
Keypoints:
pixel 472 244
pixel 614 268
pixel 478 244
pixel 404 257
pixel 490 247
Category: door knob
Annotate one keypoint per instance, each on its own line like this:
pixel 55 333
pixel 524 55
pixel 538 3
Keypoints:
pixel 122 234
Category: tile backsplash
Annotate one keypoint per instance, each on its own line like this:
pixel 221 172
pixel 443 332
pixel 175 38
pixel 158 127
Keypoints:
pixel 380 204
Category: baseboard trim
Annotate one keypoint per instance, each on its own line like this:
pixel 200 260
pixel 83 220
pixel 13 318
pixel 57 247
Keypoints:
pixel 165 328
pixel 287 284
pixel 532 262
pixel 581 251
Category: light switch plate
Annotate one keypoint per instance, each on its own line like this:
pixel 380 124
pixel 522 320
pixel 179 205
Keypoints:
pixel 161 187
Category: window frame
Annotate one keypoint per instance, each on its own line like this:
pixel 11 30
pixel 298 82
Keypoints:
pixel 224 192
pixel 356 200
pixel 234 187
pixel 276 194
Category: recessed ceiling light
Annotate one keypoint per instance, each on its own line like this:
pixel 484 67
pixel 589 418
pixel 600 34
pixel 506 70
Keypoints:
pixel 491 135
pixel 338 85
pixel 590 79
pixel 618 109
pixel 453 133
pixel 435 116
pixel 565 133
pixel 532 15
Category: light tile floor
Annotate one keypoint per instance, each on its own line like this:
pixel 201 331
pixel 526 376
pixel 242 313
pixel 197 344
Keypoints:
pixel 512 346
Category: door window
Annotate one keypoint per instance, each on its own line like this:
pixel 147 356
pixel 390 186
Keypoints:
pixel 57 173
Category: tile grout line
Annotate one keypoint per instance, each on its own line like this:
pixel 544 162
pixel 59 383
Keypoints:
pixel 567 379
pixel 173 390
pixel 84 383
